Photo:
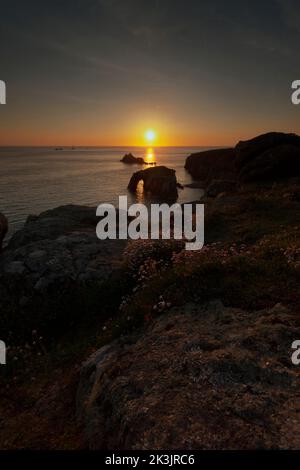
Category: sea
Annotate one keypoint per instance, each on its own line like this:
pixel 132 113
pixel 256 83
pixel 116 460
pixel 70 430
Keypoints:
pixel 33 180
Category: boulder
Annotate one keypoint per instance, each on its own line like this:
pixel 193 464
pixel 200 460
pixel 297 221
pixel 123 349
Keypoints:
pixel 52 261
pixel 212 164
pixel 3 228
pixel 248 150
pixel 131 159
pixel 61 244
pixel 223 386
pixel 55 222
pixel 275 163
pixel 159 181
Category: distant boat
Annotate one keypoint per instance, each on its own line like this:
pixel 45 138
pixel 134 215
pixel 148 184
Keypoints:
pixel 59 148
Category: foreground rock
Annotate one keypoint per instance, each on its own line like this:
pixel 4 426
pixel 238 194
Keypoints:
pixel 52 223
pixel 46 264
pixel 131 159
pixel 58 244
pixel 159 181
pixel 3 228
pixel 198 378
pixel 212 164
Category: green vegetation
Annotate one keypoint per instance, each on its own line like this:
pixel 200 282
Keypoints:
pixel 250 260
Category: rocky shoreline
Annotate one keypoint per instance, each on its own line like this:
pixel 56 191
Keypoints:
pixel 120 344
pixel 269 157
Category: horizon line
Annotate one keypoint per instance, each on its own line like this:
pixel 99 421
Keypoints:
pixel 108 146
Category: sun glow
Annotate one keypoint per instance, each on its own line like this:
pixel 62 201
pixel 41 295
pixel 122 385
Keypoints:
pixel 150 135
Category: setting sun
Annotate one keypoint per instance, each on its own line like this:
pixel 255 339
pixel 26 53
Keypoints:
pixel 150 135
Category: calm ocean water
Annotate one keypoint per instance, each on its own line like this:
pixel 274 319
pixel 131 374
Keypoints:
pixel 35 179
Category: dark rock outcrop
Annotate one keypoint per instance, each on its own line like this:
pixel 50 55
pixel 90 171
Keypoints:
pixel 220 186
pixel 48 263
pixel 212 164
pixel 247 151
pixel 131 159
pixel 224 387
pixel 3 228
pixel 58 244
pixel 159 181
pixel 267 157
pixel 55 222
pixel 274 164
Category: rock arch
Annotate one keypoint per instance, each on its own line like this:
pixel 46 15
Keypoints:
pixel 159 181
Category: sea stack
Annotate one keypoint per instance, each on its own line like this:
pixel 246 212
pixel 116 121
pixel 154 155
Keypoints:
pixel 131 159
pixel 160 181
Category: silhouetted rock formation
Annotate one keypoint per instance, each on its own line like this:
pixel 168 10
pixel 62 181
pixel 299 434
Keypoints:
pixel 269 156
pixel 159 181
pixel 248 150
pixel 273 164
pixel 3 228
pixel 212 164
pixel 131 159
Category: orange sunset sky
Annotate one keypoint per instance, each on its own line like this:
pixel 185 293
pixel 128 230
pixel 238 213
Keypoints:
pixel 101 73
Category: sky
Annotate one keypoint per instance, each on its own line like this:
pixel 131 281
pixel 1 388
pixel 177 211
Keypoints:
pixel 102 72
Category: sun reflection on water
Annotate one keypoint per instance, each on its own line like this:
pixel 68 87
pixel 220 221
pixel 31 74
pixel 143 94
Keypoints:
pixel 150 156
pixel 149 159
pixel 140 196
